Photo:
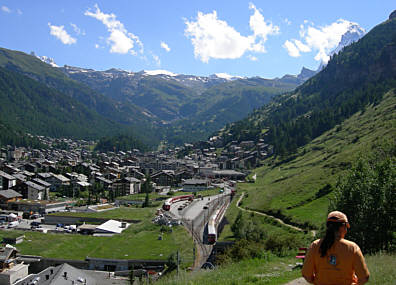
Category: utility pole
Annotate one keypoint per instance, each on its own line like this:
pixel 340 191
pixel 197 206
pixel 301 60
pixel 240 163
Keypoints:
pixel 177 264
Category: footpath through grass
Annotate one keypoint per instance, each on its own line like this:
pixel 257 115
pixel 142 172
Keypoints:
pixel 297 187
pixel 138 241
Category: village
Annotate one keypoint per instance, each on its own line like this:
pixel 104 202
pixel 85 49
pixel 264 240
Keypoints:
pixel 35 178
pixel 39 187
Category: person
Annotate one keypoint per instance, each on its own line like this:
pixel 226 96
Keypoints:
pixel 334 260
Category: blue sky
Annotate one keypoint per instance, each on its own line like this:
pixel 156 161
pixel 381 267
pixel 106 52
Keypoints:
pixel 243 38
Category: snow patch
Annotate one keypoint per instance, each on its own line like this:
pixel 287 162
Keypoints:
pixel 160 72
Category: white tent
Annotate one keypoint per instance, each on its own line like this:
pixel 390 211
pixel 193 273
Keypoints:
pixel 112 226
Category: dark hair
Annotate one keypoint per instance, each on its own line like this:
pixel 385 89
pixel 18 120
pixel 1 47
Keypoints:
pixel 330 236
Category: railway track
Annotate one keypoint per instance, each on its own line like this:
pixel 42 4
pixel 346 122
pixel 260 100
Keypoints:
pixel 197 228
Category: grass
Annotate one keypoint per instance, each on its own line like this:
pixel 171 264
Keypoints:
pixel 382 268
pixel 275 270
pixel 291 186
pixel 267 270
pixel 230 216
pixel 138 241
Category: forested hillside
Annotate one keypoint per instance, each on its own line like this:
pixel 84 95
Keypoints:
pixel 357 76
pixel 122 117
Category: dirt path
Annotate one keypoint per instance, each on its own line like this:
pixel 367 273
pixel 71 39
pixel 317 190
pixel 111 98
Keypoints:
pixel 263 214
pixel 299 281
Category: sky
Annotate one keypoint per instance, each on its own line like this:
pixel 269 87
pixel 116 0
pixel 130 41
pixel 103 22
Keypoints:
pixel 241 38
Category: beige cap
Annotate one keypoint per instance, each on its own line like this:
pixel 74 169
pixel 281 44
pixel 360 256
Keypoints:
pixel 337 216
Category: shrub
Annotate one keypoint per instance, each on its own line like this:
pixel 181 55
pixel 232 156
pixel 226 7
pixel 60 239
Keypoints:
pixel 367 196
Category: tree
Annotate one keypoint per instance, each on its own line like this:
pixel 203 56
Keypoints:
pixel 367 195
pixel 147 186
pixel 146 202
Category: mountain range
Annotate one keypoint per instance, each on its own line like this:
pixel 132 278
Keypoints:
pixel 154 106
pixel 359 75
pixel 150 104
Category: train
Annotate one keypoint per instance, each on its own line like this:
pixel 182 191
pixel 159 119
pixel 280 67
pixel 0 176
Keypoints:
pixel 214 222
pixel 166 206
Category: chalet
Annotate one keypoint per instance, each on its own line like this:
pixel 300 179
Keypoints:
pixel 193 185
pixel 126 186
pixel 46 176
pixel 31 167
pixel 10 270
pixel 57 180
pixel 7 196
pixel 40 182
pixel 106 183
pixel 182 175
pixel 164 178
pixel 20 178
pixel 7 181
pixel 247 144
pixel 35 191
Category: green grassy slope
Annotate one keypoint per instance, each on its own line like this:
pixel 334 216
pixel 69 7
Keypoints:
pixel 273 270
pixel 138 241
pixel 292 187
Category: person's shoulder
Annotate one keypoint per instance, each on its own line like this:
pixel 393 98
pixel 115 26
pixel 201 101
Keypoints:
pixel 349 244
pixel 316 243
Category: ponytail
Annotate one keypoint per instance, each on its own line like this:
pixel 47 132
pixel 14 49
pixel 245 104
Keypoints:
pixel 330 237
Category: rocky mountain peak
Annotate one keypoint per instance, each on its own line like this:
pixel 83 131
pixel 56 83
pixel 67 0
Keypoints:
pixel 392 15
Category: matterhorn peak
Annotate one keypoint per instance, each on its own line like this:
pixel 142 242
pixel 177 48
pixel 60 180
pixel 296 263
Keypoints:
pixel 353 34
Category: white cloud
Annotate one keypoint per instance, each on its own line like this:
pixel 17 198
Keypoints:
pixel 5 9
pixel 60 33
pixel 19 12
pixel 259 26
pixel 156 60
pixel 302 47
pixel 252 58
pixel 287 21
pixel 120 40
pixel 77 30
pixel 165 46
pixel 214 38
pixel 291 48
pixel 319 39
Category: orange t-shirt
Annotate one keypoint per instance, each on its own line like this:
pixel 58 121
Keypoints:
pixel 343 264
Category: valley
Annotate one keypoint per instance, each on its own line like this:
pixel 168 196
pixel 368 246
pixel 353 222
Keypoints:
pixel 153 176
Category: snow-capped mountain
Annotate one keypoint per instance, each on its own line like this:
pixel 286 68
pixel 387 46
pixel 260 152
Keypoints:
pixel 353 34
pixel 46 59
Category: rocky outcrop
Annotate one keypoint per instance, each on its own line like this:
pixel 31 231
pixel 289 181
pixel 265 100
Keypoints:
pixel 392 15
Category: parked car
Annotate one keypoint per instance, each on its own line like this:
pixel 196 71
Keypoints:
pixel 13 224
pixel 35 216
pixel 35 225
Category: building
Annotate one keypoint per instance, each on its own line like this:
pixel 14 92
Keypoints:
pixel 36 192
pixel 10 270
pixel 7 196
pixel 67 274
pixel 164 178
pixel 7 181
pixel 126 186
pixel 193 185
